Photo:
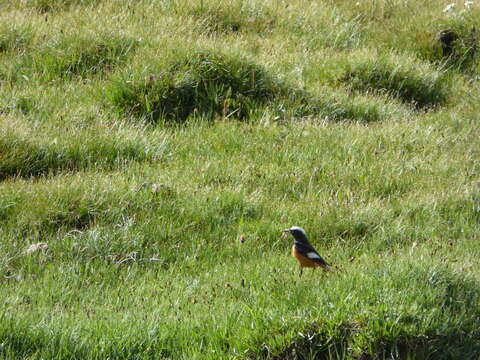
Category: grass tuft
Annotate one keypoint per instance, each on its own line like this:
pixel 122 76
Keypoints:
pixel 460 47
pixel 410 81
pixel 201 82
pixel 334 106
pixel 233 18
pixel 45 6
pixel 76 56
pixel 210 84
pixel 14 38
pixel 27 158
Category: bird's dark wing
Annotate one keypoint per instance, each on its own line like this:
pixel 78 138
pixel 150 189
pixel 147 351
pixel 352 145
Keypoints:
pixel 309 252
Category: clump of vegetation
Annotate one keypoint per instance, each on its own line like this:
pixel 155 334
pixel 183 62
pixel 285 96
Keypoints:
pixel 25 105
pixel 68 56
pixel 217 20
pixel 456 41
pixel 65 208
pixel 27 158
pixel 450 42
pixel 410 81
pixel 200 82
pixel 232 18
pixel 211 85
pixel 362 339
pixel 460 47
pixel 45 6
pixel 334 106
pixel 14 37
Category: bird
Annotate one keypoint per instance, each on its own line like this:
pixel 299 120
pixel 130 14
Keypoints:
pixel 304 252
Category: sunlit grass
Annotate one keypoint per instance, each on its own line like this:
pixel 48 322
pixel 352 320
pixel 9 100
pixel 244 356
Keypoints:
pixel 151 152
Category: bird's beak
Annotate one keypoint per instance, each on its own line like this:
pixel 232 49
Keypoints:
pixel 286 231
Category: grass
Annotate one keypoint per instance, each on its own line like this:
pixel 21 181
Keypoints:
pixel 232 18
pixel 201 83
pixel 73 56
pixel 410 82
pixel 157 150
pixel 46 6
pixel 14 38
pixel 194 82
pixel 27 157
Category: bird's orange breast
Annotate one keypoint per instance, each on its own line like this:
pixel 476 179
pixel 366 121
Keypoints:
pixel 302 259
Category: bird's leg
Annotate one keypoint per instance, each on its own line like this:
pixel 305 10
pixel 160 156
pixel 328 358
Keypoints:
pixel 301 272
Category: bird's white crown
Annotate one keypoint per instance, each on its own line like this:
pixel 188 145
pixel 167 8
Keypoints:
pixel 297 228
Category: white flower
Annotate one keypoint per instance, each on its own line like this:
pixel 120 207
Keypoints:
pixel 468 4
pixel 449 7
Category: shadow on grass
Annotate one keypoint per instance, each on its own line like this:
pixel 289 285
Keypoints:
pixel 206 84
pixel 314 346
pixel 24 158
pixel 453 333
pixel 411 82
pixel 65 57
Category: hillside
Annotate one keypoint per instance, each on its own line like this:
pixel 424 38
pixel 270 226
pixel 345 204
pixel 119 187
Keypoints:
pixel 152 151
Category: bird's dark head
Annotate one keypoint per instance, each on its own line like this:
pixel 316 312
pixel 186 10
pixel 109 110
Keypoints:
pixel 298 234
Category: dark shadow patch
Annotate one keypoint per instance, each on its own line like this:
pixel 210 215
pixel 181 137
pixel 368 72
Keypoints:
pixel 216 20
pixel 298 103
pixel 78 215
pixel 460 48
pixel 22 104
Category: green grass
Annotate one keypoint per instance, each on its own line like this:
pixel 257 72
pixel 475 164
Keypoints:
pixel 46 6
pixel 73 56
pixel 191 83
pixel 194 82
pixel 232 18
pixel 411 82
pixel 14 38
pixel 159 148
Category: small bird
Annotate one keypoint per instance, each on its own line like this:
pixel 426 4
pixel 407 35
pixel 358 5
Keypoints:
pixel 305 254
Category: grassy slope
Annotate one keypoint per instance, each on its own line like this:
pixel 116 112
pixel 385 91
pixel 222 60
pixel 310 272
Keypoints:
pixel 361 133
